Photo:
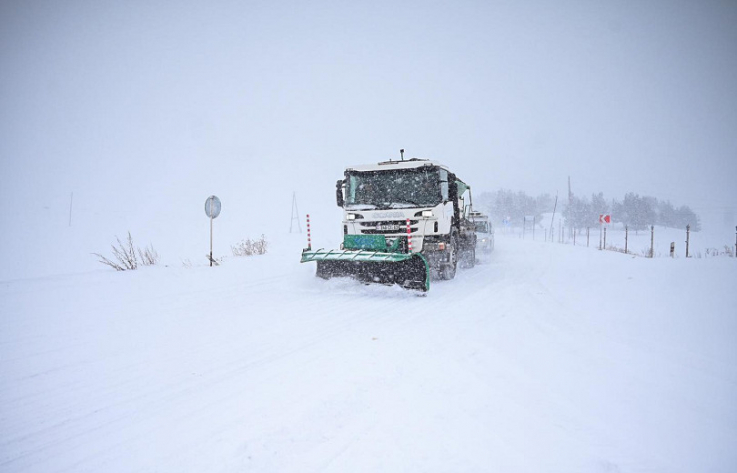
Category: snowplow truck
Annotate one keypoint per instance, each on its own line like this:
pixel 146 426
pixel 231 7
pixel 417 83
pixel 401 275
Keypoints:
pixel 404 222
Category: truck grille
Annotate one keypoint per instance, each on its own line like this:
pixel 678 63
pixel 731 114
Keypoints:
pixel 387 227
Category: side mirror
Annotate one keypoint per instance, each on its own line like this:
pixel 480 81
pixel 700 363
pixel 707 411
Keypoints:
pixel 339 193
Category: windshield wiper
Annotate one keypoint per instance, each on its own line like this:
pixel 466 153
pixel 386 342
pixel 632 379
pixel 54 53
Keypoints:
pixel 407 201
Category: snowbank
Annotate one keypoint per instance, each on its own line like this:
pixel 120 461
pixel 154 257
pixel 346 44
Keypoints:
pixel 547 357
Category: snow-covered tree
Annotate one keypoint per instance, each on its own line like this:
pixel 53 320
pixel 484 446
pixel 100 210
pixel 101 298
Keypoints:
pixel 517 205
pixel 577 212
pixel 637 212
pixel 599 206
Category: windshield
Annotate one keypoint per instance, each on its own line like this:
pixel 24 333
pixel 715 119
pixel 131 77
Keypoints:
pixel 393 189
pixel 482 226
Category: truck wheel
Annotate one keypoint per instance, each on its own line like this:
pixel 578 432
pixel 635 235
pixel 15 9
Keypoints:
pixel 448 270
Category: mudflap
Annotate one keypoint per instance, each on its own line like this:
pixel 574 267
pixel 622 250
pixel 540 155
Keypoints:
pixel 411 273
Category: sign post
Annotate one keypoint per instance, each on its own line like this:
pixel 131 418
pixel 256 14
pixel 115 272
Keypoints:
pixel 604 219
pixel 212 210
pixel 605 238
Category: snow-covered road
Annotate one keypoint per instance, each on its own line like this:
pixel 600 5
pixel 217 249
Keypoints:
pixel 544 358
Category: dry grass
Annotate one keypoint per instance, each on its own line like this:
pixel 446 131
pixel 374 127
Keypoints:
pixel 126 257
pixel 250 247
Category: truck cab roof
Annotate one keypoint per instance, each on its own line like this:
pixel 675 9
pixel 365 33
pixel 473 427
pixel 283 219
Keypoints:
pixel 413 163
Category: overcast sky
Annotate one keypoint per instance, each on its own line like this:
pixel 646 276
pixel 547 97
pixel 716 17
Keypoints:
pixel 129 103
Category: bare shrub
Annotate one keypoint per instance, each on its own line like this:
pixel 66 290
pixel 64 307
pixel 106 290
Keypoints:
pixel 250 247
pixel 615 248
pixel 126 256
pixel 149 256
pixel 728 251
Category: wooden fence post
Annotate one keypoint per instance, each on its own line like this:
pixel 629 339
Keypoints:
pixel 652 240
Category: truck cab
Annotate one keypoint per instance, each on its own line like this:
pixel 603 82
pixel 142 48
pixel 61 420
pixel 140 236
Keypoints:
pixel 417 205
pixel 484 232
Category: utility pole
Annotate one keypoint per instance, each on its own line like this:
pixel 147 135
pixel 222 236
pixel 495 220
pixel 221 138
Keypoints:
pixel 71 201
pixel 570 204
pixel 552 220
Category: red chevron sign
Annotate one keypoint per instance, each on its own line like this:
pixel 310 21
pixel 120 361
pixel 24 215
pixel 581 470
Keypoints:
pixel 605 219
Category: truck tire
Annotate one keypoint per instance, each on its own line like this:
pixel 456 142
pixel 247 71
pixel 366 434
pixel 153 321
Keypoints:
pixel 448 271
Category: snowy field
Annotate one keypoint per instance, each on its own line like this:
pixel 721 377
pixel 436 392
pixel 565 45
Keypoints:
pixel 545 358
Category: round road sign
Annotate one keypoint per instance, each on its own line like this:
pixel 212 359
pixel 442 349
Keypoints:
pixel 212 206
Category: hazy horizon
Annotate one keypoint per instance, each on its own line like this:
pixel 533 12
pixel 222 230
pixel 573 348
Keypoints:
pixel 148 108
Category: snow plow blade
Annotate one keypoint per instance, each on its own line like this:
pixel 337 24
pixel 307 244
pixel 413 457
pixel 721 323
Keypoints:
pixel 408 270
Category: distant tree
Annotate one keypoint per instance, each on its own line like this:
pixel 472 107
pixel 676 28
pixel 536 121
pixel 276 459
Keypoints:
pixel 617 211
pixel 648 214
pixel 686 216
pixel 637 212
pixel 666 214
pixel 669 216
pixel 599 206
pixel 516 205
pixel 629 207
pixel 505 205
pixel 526 204
pixel 543 204
pixel 576 212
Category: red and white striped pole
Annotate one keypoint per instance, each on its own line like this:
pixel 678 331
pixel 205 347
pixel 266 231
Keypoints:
pixel 409 238
pixel 309 239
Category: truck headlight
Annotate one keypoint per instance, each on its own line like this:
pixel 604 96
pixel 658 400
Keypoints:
pixel 351 217
pixel 427 213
